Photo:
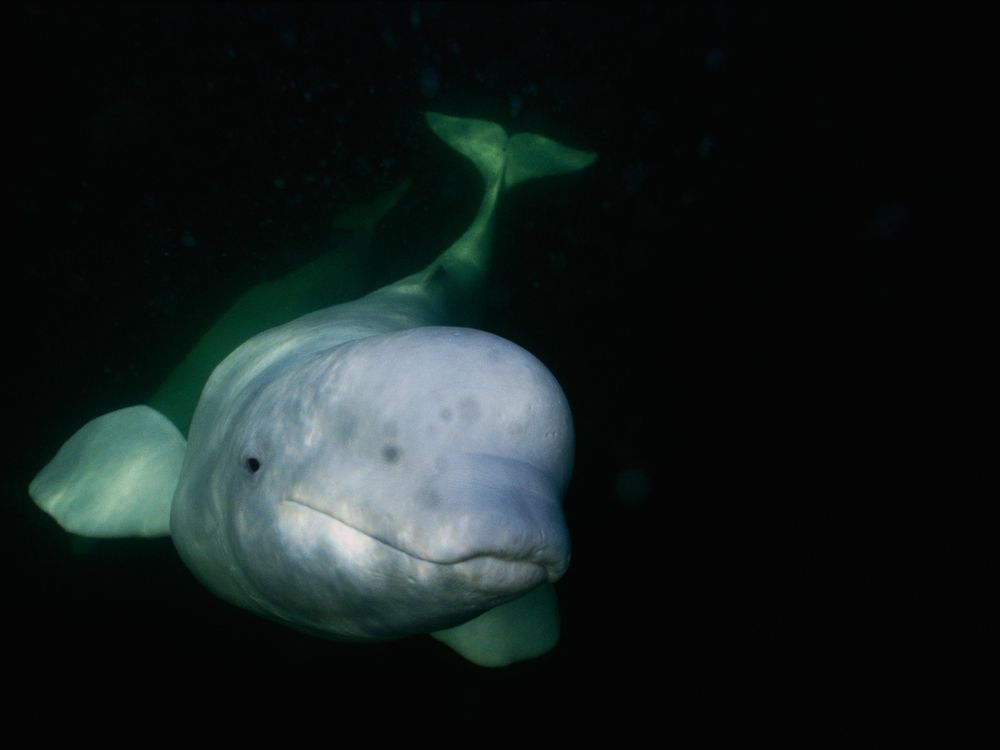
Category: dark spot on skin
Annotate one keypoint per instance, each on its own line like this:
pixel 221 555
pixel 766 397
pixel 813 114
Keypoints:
pixel 468 409
pixel 430 499
pixel 252 465
pixel 390 453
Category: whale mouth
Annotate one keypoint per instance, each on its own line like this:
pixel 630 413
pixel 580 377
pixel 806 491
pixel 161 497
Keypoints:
pixel 491 571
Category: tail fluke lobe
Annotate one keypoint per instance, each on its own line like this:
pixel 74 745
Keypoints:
pixel 530 156
pixel 482 142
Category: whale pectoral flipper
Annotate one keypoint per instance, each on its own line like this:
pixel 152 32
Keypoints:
pixel 115 476
pixel 520 629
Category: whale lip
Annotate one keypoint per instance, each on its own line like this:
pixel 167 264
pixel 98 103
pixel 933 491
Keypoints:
pixel 488 571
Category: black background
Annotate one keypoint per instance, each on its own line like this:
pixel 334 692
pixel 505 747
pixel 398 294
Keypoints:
pixel 729 297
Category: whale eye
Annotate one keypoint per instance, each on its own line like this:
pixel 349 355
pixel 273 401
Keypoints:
pixel 252 465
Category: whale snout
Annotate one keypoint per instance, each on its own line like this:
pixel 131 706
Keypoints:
pixel 492 508
pixel 450 445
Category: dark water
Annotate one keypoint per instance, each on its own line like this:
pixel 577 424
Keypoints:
pixel 726 297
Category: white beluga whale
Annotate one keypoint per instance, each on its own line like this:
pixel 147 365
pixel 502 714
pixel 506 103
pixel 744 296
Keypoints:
pixel 364 471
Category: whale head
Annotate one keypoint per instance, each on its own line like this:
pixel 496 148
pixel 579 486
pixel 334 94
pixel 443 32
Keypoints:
pixel 395 484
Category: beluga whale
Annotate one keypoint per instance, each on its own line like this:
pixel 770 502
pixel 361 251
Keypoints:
pixel 363 471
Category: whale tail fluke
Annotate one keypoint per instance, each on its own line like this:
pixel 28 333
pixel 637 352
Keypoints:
pixel 453 280
pixel 516 158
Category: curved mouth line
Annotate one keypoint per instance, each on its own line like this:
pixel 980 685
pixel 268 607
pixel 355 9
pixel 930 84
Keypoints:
pixel 390 545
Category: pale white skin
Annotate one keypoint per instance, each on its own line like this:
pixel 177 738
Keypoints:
pixel 395 484
pixel 363 472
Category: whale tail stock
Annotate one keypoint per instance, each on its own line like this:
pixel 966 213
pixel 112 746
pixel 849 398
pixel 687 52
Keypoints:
pixel 503 161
